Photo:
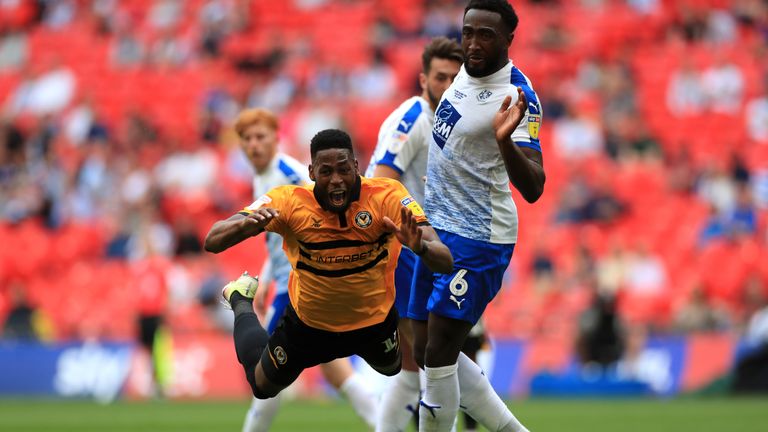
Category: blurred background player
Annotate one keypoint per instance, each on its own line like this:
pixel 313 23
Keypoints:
pixel 258 131
pixel 478 150
pixel 401 154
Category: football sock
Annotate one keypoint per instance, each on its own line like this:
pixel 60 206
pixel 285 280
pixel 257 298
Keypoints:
pixel 440 403
pixel 399 402
pixel 363 401
pixel 480 401
pixel 240 304
pixel 261 414
pixel 250 336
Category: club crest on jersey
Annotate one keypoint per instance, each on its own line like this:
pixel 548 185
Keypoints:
pixel 534 121
pixel 280 356
pixel 484 95
pixel 446 118
pixel 261 201
pixel 412 205
pixel 316 222
pixel 363 219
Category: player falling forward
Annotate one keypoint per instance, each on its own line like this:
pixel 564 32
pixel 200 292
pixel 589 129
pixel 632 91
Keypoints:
pixel 258 132
pixel 342 236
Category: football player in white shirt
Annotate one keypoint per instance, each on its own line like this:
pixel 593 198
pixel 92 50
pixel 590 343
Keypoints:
pixel 476 151
pixel 401 154
pixel 258 132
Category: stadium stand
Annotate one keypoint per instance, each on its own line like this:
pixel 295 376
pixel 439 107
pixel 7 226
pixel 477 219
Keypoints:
pixel 92 188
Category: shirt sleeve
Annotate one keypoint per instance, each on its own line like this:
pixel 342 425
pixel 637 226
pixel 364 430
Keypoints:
pixel 402 198
pixel 527 132
pixel 277 198
pixel 400 144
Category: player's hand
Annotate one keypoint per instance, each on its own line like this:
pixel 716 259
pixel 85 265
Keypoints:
pixel 408 233
pixel 508 118
pixel 255 222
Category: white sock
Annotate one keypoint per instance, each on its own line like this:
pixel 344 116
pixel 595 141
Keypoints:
pixel 399 402
pixel 362 400
pixel 480 400
pixel 440 401
pixel 261 414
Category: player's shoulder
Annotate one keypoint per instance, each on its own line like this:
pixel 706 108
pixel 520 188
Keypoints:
pixel 381 186
pixel 379 183
pixel 291 191
pixel 293 171
pixel 518 79
pixel 409 113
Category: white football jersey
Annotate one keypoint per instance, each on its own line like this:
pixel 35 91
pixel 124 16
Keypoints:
pixel 283 170
pixel 403 144
pixel 467 191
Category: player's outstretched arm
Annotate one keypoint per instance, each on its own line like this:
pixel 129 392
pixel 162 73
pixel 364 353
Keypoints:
pixel 227 233
pixel 423 241
pixel 525 166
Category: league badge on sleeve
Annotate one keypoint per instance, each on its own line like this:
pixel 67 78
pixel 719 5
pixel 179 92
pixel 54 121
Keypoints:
pixel 412 205
pixel 262 201
pixel 534 121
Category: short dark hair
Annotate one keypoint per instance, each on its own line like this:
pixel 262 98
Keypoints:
pixel 330 139
pixel 501 7
pixel 443 48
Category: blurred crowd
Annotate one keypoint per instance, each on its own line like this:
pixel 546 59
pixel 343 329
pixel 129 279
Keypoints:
pixel 116 151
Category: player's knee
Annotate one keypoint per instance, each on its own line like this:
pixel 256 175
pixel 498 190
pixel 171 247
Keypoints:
pixel 258 393
pixel 389 370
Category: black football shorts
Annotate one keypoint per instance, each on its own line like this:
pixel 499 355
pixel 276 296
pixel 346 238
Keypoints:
pixel 295 346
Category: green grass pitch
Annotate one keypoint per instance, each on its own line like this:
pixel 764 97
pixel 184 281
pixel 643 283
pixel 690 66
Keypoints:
pixel 540 415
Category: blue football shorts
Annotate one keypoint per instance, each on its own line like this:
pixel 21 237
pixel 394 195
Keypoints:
pixel 403 279
pixel 478 271
pixel 276 311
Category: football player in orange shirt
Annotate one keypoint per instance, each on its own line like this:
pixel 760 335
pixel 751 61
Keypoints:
pixel 342 235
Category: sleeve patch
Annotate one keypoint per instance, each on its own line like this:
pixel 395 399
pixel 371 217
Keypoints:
pixel 262 201
pixel 412 205
pixel 534 122
pixel 397 141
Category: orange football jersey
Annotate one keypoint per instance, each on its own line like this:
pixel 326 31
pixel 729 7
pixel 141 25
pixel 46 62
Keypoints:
pixel 343 264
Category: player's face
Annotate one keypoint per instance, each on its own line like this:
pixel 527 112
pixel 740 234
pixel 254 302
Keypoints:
pixel 259 142
pixel 440 77
pixel 335 173
pixel 485 42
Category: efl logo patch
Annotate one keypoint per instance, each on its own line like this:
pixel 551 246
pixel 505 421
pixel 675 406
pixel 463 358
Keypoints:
pixel 534 122
pixel 363 219
pixel 446 118
pixel 263 200
pixel 412 205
